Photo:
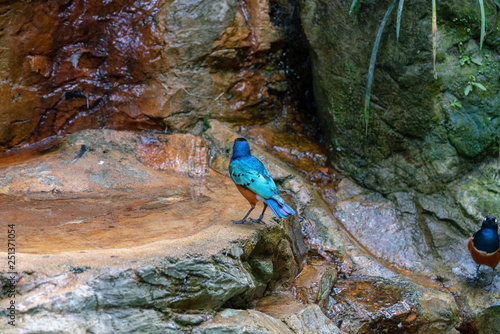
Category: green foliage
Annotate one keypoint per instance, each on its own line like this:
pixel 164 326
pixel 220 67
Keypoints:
pixel 206 124
pixel 471 84
pixel 354 6
pixel 373 58
pixel 455 104
pixel 483 23
pixel 464 60
pixel 398 21
pixel 467 60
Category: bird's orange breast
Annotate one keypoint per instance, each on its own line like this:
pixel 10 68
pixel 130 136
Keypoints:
pixel 248 194
pixel 490 260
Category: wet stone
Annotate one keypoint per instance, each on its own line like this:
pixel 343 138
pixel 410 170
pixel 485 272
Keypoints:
pixel 121 234
pixel 189 319
pixel 315 282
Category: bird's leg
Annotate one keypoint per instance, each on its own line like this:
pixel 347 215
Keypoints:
pixel 244 220
pixel 492 279
pixel 259 220
pixel 475 278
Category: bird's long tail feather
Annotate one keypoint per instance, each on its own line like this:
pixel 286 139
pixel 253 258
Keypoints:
pixel 279 211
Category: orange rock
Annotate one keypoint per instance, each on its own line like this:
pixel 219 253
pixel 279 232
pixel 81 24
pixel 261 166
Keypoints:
pixel 107 200
pixel 182 153
pixel 135 67
pixel 315 282
pixel 41 65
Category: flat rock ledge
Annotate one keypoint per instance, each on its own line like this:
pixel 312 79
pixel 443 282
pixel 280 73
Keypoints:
pixel 135 236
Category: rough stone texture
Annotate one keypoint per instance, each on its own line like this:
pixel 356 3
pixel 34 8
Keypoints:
pixel 488 321
pixel 242 322
pixel 417 135
pixel 424 159
pixel 137 240
pixel 371 294
pixel 402 231
pixel 165 65
pixel 141 253
pixel 374 306
pixel 311 320
pixel 300 318
pixel 315 283
pixel 479 192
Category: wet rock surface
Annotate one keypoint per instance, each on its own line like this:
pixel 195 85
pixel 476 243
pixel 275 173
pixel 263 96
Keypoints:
pixel 125 232
pixel 403 231
pixel 158 252
pixel 417 135
pixel 373 306
pixel 72 65
pixel 109 232
pixel 424 159
pixel 421 285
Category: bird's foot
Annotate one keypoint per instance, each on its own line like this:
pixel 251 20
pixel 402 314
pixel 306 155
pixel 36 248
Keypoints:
pixel 256 221
pixel 243 221
pixel 473 281
pixel 490 287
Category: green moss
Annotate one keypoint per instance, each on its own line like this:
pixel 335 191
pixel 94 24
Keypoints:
pixel 205 124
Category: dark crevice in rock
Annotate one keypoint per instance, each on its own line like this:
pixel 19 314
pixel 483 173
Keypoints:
pixel 295 61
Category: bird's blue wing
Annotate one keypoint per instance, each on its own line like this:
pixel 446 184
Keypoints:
pixel 252 175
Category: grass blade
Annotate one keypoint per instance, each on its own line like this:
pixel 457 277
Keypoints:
pixel 355 4
pixel 398 22
pixel 373 58
pixel 434 37
pixel 483 23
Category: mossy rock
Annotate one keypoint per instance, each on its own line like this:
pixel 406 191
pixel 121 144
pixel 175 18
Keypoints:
pixel 423 131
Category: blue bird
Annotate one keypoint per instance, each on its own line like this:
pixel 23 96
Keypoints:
pixel 254 182
pixel 484 245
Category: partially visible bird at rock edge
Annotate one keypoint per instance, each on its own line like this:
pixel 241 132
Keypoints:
pixel 484 245
pixel 254 182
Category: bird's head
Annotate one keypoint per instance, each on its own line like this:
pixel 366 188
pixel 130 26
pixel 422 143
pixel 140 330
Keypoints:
pixel 240 148
pixel 490 222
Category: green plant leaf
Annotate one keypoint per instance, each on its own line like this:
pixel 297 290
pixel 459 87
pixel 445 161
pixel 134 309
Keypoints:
pixel 355 4
pixel 373 58
pixel 458 104
pixel 434 37
pixel 467 89
pixel 497 3
pixel 476 61
pixel 483 23
pixel 478 85
pixel 398 22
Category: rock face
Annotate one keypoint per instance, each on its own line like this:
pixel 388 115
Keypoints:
pixel 107 234
pixel 123 232
pixel 425 157
pixel 106 243
pixel 422 132
pixel 72 65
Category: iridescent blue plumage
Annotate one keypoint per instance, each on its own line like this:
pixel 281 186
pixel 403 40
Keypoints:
pixel 486 240
pixel 484 245
pixel 248 172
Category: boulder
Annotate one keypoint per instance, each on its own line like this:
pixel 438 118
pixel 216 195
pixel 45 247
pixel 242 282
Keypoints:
pixel 132 235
